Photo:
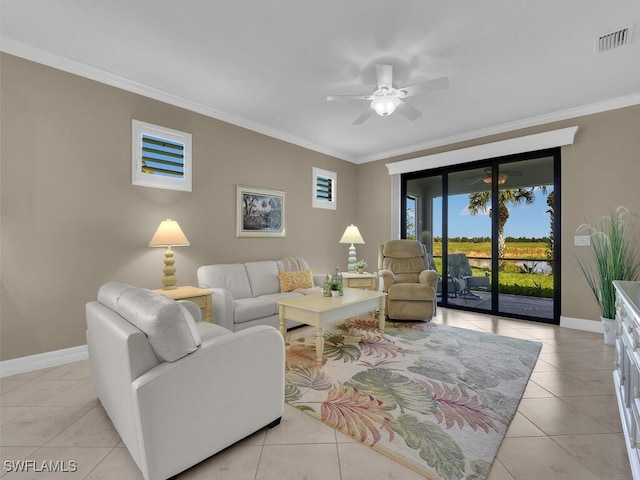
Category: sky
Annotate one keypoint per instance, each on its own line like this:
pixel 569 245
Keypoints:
pixel 524 220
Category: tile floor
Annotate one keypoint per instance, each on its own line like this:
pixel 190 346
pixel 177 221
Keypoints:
pixel 567 425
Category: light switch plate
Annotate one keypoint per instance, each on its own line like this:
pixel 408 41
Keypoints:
pixel 582 240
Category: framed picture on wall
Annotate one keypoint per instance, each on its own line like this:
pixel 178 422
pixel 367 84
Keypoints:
pixel 260 212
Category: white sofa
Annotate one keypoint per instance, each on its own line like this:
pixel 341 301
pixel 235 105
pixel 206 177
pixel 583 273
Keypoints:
pixel 245 294
pixel 177 389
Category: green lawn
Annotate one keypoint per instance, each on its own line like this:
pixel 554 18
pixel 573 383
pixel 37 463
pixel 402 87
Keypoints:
pixel 511 280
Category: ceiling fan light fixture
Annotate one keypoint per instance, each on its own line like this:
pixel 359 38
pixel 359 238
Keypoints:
pixel 502 179
pixel 385 105
pixel 388 98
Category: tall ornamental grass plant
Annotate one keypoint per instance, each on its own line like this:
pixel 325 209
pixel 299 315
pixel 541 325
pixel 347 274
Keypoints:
pixel 613 256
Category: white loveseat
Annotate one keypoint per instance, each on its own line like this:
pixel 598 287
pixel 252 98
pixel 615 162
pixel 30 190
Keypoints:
pixel 177 389
pixel 245 294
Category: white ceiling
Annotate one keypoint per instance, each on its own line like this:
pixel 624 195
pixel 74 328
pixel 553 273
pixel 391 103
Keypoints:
pixel 268 65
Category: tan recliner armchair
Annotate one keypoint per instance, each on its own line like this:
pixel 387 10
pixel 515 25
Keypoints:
pixel 407 280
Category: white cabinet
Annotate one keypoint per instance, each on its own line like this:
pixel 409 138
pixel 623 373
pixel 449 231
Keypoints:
pixel 626 373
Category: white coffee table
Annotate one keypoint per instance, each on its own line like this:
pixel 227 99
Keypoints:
pixel 319 311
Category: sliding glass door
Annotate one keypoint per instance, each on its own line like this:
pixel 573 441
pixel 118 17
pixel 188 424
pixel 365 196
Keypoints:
pixel 489 228
pixel 526 257
pixel 469 239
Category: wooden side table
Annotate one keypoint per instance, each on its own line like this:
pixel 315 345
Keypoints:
pixel 199 296
pixel 366 281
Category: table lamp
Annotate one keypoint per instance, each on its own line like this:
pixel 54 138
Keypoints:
pixel 169 235
pixel 352 235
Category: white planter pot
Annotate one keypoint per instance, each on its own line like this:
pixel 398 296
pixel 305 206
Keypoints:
pixel 609 327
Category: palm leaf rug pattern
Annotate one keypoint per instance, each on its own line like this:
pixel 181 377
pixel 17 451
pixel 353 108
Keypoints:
pixel 434 398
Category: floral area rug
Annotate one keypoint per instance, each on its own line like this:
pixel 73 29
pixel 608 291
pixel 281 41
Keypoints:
pixel 434 398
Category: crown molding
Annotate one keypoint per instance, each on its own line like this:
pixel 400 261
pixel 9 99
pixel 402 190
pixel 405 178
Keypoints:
pixel 93 73
pixel 606 105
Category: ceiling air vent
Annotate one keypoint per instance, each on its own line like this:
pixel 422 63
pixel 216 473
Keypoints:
pixel 612 40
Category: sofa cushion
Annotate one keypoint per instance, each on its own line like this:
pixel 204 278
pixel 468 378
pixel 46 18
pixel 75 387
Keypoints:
pixel 274 297
pixel 289 281
pixel 247 309
pixel 404 265
pixel 231 276
pixel 410 291
pixel 168 325
pixel 402 249
pixel 263 277
pixel 290 264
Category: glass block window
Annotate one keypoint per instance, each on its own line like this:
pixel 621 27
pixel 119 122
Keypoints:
pixel 324 189
pixel 161 157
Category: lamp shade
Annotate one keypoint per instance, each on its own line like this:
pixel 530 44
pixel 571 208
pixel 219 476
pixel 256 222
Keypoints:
pixel 169 234
pixel 351 235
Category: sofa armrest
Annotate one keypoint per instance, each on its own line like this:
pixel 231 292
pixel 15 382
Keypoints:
pixel 229 388
pixel 193 309
pixel 388 279
pixel 318 280
pixel 429 277
pixel 222 309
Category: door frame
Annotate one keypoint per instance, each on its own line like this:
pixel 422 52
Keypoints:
pixel 494 164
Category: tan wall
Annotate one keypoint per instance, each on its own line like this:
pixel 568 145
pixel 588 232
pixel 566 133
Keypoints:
pixel 599 172
pixel 71 220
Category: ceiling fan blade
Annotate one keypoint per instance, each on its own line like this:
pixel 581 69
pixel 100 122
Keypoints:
pixel 473 177
pixel 384 73
pixel 363 118
pixel 408 111
pixel 441 83
pixel 343 98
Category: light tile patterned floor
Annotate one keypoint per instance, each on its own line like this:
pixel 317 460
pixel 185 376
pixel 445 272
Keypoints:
pixel 567 425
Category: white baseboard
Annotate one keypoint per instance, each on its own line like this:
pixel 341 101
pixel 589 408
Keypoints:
pixel 43 360
pixel 581 324
pixel 75 354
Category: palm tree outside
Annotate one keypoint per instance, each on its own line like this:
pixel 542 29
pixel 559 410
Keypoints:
pixel 479 201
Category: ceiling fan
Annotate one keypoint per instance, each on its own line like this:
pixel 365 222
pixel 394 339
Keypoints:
pixel 487 177
pixel 388 98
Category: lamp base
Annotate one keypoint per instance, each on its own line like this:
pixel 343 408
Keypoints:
pixel 351 266
pixel 169 280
